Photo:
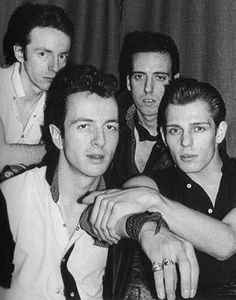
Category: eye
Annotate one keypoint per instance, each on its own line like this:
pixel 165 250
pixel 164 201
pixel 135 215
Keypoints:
pixel 42 54
pixel 199 128
pixel 63 57
pixel 138 77
pixel 162 77
pixel 112 127
pixel 174 131
pixel 83 126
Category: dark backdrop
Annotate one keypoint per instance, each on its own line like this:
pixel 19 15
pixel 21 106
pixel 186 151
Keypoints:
pixel 204 31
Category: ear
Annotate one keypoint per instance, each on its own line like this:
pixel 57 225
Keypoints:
pixel 177 76
pixel 163 136
pixel 128 83
pixel 221 132
pixel 56 136
pixel 19 54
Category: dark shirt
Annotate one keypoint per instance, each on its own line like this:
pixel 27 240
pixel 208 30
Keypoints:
pixel 176 185
pixel 123 165
pixel 131 271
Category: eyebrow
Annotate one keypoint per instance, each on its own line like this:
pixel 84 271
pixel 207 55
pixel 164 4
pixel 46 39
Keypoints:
pixel 91 121
pixel 50 51
pixel 192 124
pixel 141 72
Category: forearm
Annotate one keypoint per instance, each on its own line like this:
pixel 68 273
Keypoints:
pixel 206 233
pixel 20 153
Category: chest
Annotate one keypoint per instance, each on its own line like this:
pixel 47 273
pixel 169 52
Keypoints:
pixel 142 152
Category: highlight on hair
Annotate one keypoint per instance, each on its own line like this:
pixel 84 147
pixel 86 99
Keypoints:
pixel 73 79
pixel 183 91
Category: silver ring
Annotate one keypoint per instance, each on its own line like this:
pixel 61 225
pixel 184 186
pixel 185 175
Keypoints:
pixel 167 262
pixel 156 267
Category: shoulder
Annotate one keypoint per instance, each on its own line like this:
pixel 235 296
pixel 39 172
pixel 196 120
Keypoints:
pixel 5 69
pixel 21 183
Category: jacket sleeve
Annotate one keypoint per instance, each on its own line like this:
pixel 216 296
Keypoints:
pixel 7 245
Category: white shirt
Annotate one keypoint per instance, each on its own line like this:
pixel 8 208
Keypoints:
pixel 11 89
pixel 42 240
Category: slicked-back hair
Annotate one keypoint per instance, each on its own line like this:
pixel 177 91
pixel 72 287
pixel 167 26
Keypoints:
pixel 146 41
pixel 28 16
pixel 183 91
pixel 73 79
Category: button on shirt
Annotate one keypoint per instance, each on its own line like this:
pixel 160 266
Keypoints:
pixel 11 91
pixel 42 240
pixel 176 185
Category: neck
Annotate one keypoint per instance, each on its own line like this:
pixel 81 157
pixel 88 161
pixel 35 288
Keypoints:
pixel 148 122
pixel 32 92
pixel 74 185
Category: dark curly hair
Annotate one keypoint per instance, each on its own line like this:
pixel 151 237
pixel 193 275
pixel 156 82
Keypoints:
pixel 28 16
pixel 73 79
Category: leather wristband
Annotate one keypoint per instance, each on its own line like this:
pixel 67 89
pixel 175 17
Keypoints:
pixel 135 222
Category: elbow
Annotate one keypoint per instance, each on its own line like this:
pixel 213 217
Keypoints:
pixel 227 251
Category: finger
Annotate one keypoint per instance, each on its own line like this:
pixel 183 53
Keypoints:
pixel 90 198
pixel 159 284
pixel 109 231
pixel 194 270
pixel 170 280
pixel 96 208
pixel 185 274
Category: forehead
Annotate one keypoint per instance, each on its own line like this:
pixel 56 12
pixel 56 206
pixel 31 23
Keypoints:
pixel 86 105
pixel 156 61
pixel 46 37
pixel 197 111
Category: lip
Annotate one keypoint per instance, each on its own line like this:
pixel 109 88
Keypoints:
pixel 96 158
pixel 148 101
pixel 49 78
pixel 188 157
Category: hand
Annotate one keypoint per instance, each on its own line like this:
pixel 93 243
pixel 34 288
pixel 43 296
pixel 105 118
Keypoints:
pixel 111 205
pixel 166 245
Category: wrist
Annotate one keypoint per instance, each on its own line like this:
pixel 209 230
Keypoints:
pixel 135 224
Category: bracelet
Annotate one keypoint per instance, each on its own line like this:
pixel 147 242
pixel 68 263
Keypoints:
pixel 135 222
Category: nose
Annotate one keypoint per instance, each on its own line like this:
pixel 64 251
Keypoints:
pixel 148 87
pixel 99 138
pixel 187 139
pixel 54 64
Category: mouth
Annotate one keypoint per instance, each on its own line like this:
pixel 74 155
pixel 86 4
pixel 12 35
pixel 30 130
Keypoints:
pixel 188 157
pixel 96 158
pixel 49 78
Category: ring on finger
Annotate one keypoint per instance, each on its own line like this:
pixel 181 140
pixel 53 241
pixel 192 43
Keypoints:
pixel 156 266
pixel 167 262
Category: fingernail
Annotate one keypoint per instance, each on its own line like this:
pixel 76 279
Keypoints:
pixel 171 297
pixel 186 293
pixel 161 295
pixel 192 293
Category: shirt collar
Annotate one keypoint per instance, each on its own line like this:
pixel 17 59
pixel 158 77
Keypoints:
pixel 52 179
pixel 17 81
pixel 226 167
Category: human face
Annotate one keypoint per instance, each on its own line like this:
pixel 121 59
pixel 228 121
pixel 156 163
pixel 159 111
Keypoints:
pixel 193 138
pixel 91 133
pixel 45 55
pixel 151 71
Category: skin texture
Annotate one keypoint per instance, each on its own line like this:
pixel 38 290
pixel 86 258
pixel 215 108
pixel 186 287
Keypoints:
pixel 192 137
pixel 151 72
pixel 91 134
pixel 45 55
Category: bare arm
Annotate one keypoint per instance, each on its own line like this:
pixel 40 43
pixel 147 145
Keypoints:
pixel 217 238
pixel 18 153
pixel 158 248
